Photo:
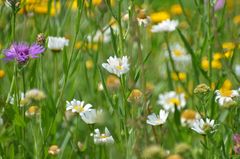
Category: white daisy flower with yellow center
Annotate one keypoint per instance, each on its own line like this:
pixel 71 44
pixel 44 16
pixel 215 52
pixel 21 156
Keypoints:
pixel 165 26
pixel 226 97
pixel 188 117
pixel 104 35
pixel 92 116
pixel 178 54
pixel 155 120
pixel 171 99
pixel 77 106
pixel 57 44
pixel 117 66
pixel 204 127
pixel 102 138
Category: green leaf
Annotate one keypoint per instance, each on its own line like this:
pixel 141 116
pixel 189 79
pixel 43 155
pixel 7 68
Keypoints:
pixel 194 58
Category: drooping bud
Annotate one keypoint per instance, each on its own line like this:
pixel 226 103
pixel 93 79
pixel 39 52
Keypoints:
pixel 41 39
pixel 136 96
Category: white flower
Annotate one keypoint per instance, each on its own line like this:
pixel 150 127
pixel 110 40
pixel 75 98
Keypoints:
pixel 104 36
pixel 57 43
pixel 226 97
pixel 203 127
pixel 117 66
pixel 102 138
pixel 166 25
pixel 155 120
pixel 188 117
pixel 169 99
pixel 12 99
pixel 178 54
pixel 144 21
pixel 237 70
pixel 35 94
pixel 77 106
pixel 92 116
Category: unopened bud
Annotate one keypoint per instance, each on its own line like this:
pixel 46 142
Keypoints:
pixel 201 89
pixel 41 39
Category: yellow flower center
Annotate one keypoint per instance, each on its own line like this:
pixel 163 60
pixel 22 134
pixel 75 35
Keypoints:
pixel 174 101
pixel 206 127
pixel 177 53
pixel 188 114
pixel 226 92
pixel 103 136
pixel 78 108
pixel 119 67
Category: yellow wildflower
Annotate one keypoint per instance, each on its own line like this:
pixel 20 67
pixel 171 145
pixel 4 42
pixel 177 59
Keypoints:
pixel 159 16
pixel 180 76
pixel 228 45
pixel 236 20
pixel 176 9
pixel 89 64
pixel 2 73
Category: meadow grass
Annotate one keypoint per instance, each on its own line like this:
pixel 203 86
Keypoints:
pixel 159 79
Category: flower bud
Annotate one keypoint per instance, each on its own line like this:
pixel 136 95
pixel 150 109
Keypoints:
pixel 201 89
pixel 53 150
pixel 41 39
pixel 136 96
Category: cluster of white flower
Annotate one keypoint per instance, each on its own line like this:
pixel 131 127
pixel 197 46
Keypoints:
pixel 90 116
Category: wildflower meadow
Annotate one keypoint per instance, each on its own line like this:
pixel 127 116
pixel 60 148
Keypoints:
pixel 119 79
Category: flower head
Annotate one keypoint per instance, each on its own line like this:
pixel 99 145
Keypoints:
pixel 57 44
pixel 160 119
pixel 188 117
pixel 77 106
pixel 102 138
pixel 22 52
pixel 35 94
pixel 171 99
pixel 54 150
pixel 203 127
pixel 178 54
pixel 32 111
pixel 2 73
pixel 117 66
pixel 165 26
pixel 225 96
pixel 236 140
pixel 219 5
pixel 92 116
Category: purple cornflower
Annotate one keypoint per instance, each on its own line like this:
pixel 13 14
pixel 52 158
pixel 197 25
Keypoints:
pixel 219 4
pixel 22 52
pixel 236 140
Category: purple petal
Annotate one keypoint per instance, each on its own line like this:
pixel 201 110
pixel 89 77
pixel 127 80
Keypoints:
pixel 35 49
pixel 219 5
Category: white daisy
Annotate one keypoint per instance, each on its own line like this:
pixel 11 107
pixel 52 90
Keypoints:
pixel 178 54
pixel 35 94
pixel 57 43
pixel 165 26
pixel 77 106
pixel 117 66
pixel 102 138
pixel 226 97
pixel 171 99
pixel 160 119
pixel 188 117
pixel 104 36
pixel 144 21
pixel 92 116
pixel 203 127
